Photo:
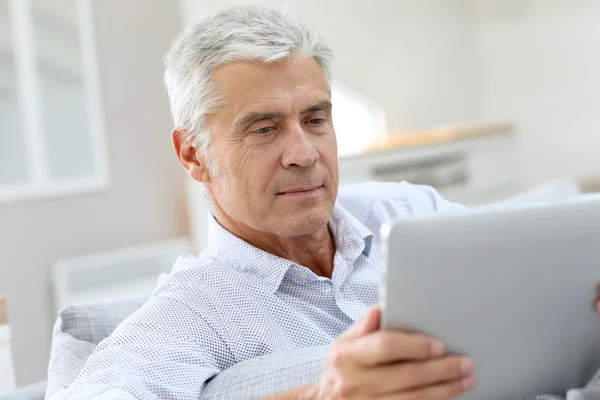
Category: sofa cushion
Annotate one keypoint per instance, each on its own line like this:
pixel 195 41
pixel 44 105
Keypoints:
pixel 267 375
pixel 67 358
pixel 94 322
pixel 77 332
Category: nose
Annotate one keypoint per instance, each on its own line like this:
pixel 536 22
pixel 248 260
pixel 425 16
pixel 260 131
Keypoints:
pixel 298 150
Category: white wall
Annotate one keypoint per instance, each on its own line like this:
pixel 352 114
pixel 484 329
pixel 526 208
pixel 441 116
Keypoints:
pixel 415 58
pixel 146 200
pixel 540 64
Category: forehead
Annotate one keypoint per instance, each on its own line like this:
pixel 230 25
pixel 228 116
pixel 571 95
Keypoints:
pixel 246 85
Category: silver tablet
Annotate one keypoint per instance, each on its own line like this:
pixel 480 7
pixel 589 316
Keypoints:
pixel 512 288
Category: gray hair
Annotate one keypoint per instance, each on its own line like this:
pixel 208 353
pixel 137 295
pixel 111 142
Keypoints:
pixel 242 33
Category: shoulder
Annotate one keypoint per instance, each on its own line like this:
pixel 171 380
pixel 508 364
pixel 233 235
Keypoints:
pixel 209 281
pixel 194 275
pixel 394 199
pixel 185 301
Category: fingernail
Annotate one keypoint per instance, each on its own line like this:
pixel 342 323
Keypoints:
pixel 468 383
pixel 466 365
pixel 437 348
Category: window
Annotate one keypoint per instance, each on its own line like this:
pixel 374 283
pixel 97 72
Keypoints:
pixel 358 121
pixel 51 139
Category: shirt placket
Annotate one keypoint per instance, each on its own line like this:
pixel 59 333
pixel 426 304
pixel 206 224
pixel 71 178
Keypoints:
pixel 345 298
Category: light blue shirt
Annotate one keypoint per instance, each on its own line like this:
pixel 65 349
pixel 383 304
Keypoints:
pixel 236 302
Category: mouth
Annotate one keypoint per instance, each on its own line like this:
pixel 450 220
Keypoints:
pixel 300 190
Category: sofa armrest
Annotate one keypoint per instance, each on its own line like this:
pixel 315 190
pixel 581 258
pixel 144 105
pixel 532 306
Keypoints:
pixel 267 375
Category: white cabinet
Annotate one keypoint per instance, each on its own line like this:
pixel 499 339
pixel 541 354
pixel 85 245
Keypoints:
pixel 475 170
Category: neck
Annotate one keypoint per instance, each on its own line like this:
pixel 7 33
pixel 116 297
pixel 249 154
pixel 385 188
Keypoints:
pixel 314 251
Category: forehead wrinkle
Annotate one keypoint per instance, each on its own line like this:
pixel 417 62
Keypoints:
pixel 261 109
pixel 310 92
pixel 243 93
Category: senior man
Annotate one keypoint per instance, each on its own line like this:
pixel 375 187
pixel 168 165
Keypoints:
pixel 292 262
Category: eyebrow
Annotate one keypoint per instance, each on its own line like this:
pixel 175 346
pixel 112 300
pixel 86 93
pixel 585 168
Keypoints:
pixel 254 117
pixel 322 106
pixel 261 116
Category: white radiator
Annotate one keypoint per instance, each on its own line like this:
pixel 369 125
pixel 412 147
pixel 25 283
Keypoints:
pixel 114 274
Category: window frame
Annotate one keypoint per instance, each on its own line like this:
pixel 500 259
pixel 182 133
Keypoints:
pixel 40 184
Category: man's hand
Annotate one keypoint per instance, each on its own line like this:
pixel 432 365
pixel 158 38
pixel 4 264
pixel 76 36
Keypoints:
pixel 365 363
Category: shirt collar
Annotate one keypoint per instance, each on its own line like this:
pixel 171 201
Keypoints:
pixel 351 239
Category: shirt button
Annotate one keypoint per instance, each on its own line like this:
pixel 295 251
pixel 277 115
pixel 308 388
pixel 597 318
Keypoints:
pixel 303 274
pixel 340 294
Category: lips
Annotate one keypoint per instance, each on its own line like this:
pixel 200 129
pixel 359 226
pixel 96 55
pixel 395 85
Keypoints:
pixel 300 189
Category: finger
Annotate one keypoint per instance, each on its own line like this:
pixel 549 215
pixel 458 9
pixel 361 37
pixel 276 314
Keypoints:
pixel 598 306
pixel 388 346
pixel 443 391
pixel 367 324
pixel 410 376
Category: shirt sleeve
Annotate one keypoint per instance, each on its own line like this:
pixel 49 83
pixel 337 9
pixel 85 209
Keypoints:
pixel 393 200
pixel 425 200
pixel 166 350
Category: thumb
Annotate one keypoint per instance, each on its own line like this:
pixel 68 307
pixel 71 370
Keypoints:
pixel 367 324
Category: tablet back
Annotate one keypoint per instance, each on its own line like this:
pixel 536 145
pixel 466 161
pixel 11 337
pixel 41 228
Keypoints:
pixel 513 289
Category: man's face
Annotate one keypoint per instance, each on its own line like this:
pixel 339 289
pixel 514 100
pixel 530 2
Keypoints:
pixel 275 146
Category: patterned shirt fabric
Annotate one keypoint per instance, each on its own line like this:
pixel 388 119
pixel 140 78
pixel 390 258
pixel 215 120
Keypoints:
pixel 235 302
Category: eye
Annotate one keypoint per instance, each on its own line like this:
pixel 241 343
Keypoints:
pixel 317 119
pixel 264 130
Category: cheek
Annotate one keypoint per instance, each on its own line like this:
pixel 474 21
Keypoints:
pixel 328 152
pixel 228 184
pixel 237 170
pixel 247 172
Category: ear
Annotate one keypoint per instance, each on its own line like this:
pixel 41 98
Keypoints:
pixel 192 159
